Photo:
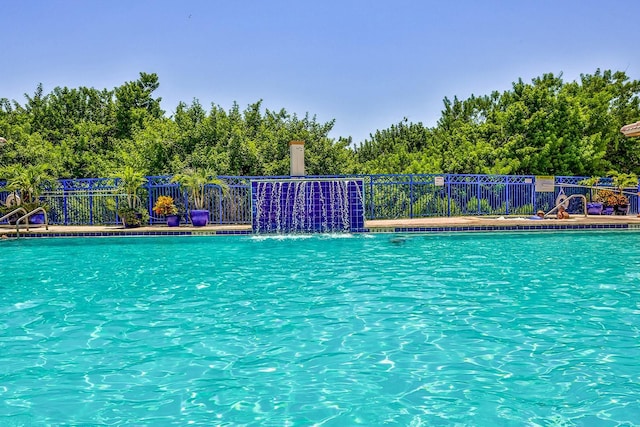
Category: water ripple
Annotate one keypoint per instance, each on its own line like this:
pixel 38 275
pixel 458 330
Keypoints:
pixel 439 330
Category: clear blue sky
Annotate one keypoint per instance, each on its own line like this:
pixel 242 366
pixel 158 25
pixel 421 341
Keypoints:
pixel 366 64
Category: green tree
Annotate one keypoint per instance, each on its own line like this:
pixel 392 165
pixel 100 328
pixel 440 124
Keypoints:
pixel 134 103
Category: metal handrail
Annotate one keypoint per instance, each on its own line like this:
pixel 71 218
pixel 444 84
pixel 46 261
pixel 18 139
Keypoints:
pixel 26 217
pixel 13 212
pixel 573 196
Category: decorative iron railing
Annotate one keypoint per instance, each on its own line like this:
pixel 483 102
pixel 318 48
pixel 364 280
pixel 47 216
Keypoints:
pixel 94 201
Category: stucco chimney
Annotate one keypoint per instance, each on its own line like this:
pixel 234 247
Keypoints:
pixel 296 153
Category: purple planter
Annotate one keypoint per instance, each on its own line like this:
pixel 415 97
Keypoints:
pixel 594 208
pixel 199 218
pixel 173 220
pixel 37 218
pixel 607 210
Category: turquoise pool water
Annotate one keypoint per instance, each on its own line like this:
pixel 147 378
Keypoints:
pixel 469 329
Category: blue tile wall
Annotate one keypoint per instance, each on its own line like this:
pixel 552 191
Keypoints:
pixel 307 206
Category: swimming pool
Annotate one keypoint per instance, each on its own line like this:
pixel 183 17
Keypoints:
pixel 464 329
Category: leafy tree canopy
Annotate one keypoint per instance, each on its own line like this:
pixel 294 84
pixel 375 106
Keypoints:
pixel 546 126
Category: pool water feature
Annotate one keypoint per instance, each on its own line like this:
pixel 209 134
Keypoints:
pixel 335 330
pixel 307 205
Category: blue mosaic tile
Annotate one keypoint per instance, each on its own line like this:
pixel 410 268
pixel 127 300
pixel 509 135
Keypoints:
pixel 306 206
pixel 355 229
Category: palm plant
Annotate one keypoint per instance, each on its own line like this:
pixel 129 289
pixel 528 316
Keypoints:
pixel 6 174
pixel 195 182
pixel 28 181
pixel 131 181
pixel 592 184
pixel 622 181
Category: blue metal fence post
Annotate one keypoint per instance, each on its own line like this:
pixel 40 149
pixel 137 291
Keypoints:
pixel 65 208
pixel 149 200
pixel 533 193
pixel 448 183
pixel 220 205
pixel 507 194
pixel 373 216
pixel 637 200
pixel 91 202
pixel 411 196
pixel 479 193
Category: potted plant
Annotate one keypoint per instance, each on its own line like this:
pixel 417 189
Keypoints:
pixel 594 206
pixel 622 181
pixel 26 184
pixel 130 183
pixel 608 199
pixel 197 182
pixel 166 207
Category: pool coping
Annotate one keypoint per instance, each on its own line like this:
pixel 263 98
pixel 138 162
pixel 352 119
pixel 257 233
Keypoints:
pixel 415 225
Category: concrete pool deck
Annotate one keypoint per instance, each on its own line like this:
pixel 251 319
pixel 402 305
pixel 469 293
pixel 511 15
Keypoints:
pixel 415 225
pixel 505 221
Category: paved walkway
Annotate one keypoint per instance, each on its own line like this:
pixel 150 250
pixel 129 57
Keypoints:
pixel 390 225
pixel 465 221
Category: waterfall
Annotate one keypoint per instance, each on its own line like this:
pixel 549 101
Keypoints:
pixel 307 205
